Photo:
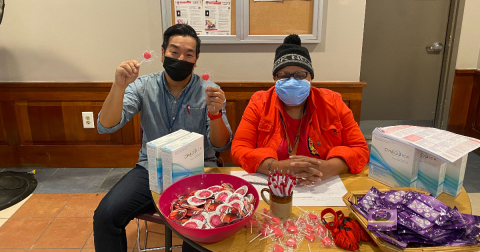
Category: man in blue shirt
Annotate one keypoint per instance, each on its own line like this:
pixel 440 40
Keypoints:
pixel 168 101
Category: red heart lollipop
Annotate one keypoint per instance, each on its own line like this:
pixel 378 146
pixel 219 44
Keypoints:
pixel 205 76
pixel 276 220
pixel 309 228
pixel 277 248
pixel 320 230
pixel 147 55
pixel 310 237
pixel 278 232
pixel 327 241
pixel 291 242
pixel 293 229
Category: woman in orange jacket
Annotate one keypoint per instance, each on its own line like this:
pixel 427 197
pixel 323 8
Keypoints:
pixel 298 128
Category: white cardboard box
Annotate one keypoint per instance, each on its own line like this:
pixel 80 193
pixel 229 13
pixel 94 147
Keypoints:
pixel 182 158
pixel 154 155
pixel 454 176
pixel 393 163
pixel 431 174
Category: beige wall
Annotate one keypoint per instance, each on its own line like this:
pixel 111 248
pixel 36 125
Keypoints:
pixel 469 44
pixel 85 41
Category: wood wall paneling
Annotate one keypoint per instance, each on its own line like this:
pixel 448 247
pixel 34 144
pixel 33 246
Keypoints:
pixel 3 132
pixel 41 123
pixel 464 115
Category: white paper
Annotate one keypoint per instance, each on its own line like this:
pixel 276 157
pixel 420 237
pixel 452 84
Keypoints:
pixel 445 145
pixel 327 192
pixel 218 17
pixel 191 13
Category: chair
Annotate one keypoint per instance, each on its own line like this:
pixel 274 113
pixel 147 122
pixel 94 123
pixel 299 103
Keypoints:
pixel 154 217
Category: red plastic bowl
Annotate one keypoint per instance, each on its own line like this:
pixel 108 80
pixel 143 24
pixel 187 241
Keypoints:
pixel 203 181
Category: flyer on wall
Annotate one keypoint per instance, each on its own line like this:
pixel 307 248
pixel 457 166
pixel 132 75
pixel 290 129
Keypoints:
pixel 191 13
pixel 218 16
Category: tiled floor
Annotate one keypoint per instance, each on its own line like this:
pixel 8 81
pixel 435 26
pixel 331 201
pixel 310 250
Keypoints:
pixel 58 215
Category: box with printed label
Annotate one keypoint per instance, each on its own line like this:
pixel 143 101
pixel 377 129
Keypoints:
pixel 182 158
pixel 393 163
pixel 431 174
pixel 454 176
pixel 154 154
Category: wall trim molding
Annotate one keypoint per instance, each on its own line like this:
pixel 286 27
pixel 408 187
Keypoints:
pixel 467 71
pixel 229 84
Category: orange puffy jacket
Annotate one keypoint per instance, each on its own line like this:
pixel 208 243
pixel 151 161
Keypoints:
pixel 332 128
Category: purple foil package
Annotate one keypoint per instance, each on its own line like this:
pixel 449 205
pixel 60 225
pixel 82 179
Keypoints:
pixel 392 238
pixel 369 200
pixel 424 210
pixel 393 199
pixel 471 219
pixel 456 222
pixel 359 210
pixel 382 219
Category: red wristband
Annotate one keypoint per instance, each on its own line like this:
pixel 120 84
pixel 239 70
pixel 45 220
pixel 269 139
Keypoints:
pixel 213 117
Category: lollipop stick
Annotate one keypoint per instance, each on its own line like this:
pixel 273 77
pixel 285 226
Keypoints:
pixel 300 209
pixel 266 237
pixel 141 61
pixel 309 248
pixel 255 238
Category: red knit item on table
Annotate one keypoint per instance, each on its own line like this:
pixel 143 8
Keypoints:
pixel 343 236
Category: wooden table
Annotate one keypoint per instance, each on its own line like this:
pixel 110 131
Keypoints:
pixel 239 242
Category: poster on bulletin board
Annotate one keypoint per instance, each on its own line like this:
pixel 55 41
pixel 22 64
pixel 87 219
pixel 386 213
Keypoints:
pixel 205 16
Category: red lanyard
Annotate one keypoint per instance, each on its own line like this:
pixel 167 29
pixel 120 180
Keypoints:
pixel 293 150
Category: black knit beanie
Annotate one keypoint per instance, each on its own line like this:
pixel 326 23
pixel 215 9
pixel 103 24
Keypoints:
pixel 292 53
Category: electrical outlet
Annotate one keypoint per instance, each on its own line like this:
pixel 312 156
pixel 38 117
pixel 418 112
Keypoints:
pixel 88 120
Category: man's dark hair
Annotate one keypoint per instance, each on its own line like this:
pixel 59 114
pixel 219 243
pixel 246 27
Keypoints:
pixel 182 30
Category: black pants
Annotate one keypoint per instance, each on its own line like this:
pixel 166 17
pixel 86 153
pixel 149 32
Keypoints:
pixel 130 197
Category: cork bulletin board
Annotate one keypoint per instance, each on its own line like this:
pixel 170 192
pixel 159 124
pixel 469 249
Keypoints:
pixel 247 21
pixel 281 18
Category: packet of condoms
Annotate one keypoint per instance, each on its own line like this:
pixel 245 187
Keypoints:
pixel 392 238
pixel 393 199
pixel 369 200
pixel 382 219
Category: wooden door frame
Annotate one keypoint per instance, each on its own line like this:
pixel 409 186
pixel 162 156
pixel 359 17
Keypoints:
pixel 449 64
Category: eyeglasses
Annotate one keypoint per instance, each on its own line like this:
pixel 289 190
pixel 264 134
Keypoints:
pixel 300 75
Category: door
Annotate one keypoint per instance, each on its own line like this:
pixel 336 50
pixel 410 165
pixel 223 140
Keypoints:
pixel 402 61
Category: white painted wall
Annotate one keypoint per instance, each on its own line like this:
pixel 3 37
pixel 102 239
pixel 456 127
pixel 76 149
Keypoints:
pixel 53 40
pixel 469 44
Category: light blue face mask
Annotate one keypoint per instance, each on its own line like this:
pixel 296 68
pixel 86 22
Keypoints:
pixel 292 91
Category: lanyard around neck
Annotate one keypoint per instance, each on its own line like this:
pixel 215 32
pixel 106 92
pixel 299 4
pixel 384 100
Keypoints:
pixel 171 123
pixel 293 150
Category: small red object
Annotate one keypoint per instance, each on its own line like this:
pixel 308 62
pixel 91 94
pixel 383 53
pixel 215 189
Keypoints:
pixel 309 228
pixel 277 248
pixel 147 55
pixel 264 231
pixel 205 76
pixel 313 217
pixel 327 241
pixel 321 231
pixel 291 242
pixel 293 229
pixel 266 211
pixel 213 117
pixel 266 225
pixel 276 220
pixel 310 237
pixel 188 109
pixel 278 232
pixel 287 224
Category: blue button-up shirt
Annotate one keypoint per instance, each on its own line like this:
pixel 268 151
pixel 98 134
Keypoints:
pixel 146 95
